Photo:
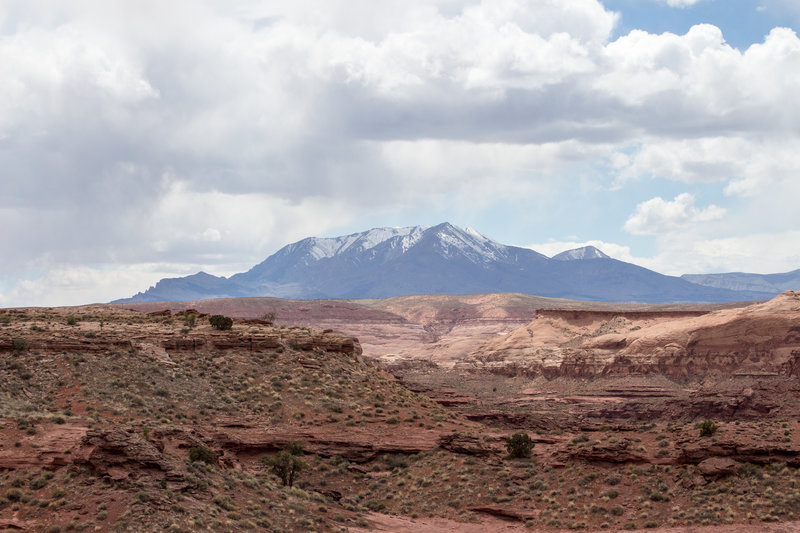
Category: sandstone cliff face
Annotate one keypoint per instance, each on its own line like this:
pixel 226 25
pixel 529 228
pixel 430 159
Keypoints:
pixel 301 339
pixel 759 340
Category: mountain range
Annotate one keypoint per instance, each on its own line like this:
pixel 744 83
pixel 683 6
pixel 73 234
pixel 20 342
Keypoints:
pixel 741 281
pixel 443 259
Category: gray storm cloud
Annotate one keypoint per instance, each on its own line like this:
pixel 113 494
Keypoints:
pixel 193 132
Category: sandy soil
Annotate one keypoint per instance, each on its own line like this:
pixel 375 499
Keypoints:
pixel 391 524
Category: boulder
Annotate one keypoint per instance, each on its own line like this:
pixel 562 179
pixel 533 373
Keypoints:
pixel 716 467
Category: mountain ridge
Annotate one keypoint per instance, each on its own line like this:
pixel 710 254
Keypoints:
pixel 745 281
pixel 441 259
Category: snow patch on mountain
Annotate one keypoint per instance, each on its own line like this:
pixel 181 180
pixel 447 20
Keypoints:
pixel 326 248
pixel 452 240
pixel 476 247
pixel 585 252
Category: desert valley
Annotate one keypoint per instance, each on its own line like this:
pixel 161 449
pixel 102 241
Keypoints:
pixel 428 266
pixel 395 415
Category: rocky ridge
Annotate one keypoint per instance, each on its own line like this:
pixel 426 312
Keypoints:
pixel 759 340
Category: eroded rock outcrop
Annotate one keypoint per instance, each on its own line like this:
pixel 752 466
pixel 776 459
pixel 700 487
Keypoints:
pixel 355 444
pixel 119 452
pixel 759 340
pixel 621 451
pixel 764 452
pixel 469 445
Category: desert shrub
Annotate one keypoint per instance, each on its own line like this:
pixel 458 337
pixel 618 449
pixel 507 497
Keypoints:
pixel 221 322
pixel 203 454
pixel 13 495
pixel 38 482
pixel 285 465
pixel 537 484
pixel 519 445
pixel 658 497
pixel 20 345
pixel 578 439
pixel 71 320
pixel 375 505
pixel 395 461
pixel 296 448
pixel 748 470
pixel 707 428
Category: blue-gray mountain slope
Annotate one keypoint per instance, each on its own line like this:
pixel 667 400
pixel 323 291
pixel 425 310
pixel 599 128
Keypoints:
pixel 442 259
pixel 740 281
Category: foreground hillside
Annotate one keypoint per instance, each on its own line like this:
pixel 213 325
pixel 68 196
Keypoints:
pixel 101 409
pixel 118 420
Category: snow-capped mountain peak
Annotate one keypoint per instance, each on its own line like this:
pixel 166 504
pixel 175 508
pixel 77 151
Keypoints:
pixel 468 242
pixel 585 252
pixel 442 259
pixel 325 248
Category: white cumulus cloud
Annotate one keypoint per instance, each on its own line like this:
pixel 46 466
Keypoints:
pixel 681 3
pixel 657 216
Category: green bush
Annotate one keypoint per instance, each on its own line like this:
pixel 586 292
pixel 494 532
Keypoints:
pixel 395 461
pixel 201 453
pixel 71 320
pixel 221 322
pixel 707 428
pixel 658 497
pixel 285 465
pixel 38 483
pixel 519 445
pixel 20 345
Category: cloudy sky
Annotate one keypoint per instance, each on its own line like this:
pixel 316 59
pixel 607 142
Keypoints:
pixel 141 140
